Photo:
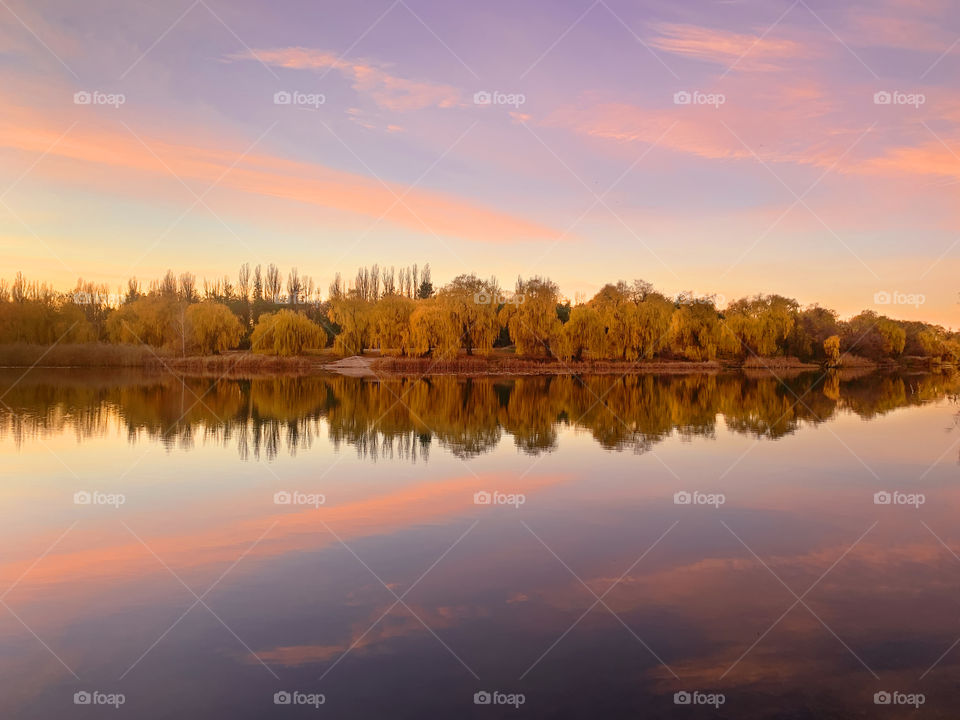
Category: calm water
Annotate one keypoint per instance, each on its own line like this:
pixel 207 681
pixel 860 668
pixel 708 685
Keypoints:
pixel 148 549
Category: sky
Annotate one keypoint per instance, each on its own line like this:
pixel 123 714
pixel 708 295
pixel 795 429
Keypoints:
pixel 733 147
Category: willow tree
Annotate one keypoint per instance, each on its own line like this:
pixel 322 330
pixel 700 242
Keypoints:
pixel 831 348
pixel 761 324
pixel 531 316
pixel 353 315
pixel 581 337
pixel 432 331
pixel 213 328
pixel 814 326
pixel 470 315
pixel 286 333
pixel 874 336
pixel 635 319
pixel 390 323
pixel 151 320
pixel 44 321
pixel 653 325
pixel 696 331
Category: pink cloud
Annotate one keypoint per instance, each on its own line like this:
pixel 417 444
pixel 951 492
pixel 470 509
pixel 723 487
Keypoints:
pixel 385 89
pixel 778 123
pixel 928 159
pixel 121 160
pixel 748 51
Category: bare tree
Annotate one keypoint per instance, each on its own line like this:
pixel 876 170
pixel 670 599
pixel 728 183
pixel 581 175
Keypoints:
pixel 19 289
pixel 294 286
pixel 133 290
pixel 243 282
pixel 362 283
pixel 168 286
pixel 374 282
pixel 426 286
pixel 211 291
pixel 257 285
pixel 273 284
pixel 188 287
pixel 337 290
pixel 389 281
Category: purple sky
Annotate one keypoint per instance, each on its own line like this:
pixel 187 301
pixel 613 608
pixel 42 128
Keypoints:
pixel 784 172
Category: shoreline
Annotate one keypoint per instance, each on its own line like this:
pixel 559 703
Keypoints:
pixel 372 365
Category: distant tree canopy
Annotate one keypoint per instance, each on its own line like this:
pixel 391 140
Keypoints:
pixel 195 328
pixel 399 312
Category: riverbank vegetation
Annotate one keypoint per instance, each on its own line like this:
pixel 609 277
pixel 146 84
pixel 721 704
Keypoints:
pixel 401 315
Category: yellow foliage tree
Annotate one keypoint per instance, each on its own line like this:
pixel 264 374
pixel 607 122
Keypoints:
pixel 390 325
pixel 831 347
pixel 635 320
pixel 531 316
pixel 353 315
pixel 469 315
pixel 151 320
pixel 213 328
pixel 44 322
pixel 432 331
pixel 761 324
pixel 696 332
pixel 286 333
pixel 581 338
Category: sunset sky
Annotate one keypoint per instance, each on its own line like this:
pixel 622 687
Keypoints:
pixel 786 172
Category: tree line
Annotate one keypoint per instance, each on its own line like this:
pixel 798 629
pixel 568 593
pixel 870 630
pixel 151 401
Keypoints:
pixel 400 313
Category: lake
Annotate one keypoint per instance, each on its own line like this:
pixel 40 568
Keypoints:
pixel 655 546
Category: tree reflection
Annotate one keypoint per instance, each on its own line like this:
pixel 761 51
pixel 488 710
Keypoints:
pixel 402 417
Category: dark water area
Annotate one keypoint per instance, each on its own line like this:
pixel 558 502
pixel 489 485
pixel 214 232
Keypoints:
pixel 670 546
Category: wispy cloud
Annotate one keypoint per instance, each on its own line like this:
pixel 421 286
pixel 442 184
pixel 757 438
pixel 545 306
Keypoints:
pixel 773 118
pixel 369 78
pixel 904 33
pixel 749 51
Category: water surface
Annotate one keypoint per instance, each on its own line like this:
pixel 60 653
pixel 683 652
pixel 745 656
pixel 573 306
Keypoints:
pixel 186 587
